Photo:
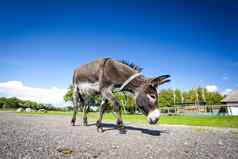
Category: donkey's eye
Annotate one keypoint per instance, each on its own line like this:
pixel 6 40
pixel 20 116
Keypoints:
pixel 152 96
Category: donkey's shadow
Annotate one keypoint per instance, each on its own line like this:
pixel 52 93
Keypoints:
pixel 111 127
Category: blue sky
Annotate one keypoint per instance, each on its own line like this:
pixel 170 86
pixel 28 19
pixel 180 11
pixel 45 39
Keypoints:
pixel 41 42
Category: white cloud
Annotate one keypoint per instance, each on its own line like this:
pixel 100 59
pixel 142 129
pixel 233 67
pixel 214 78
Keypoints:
pixel 44 95
pixel 212 88
pixel 227 91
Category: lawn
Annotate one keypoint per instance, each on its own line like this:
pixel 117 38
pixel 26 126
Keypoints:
pixel 211 121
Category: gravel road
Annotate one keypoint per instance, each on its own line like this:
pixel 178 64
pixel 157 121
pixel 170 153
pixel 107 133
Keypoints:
pixel 36 137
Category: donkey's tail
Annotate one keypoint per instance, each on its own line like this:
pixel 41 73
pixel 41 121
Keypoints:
pixel 74 79
pixel 76 93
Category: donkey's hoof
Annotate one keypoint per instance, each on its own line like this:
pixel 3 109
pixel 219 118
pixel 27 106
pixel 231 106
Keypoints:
pixel 122 131
pixel 98 124
pixel 100 130
pixel 73 123
pixel 85 122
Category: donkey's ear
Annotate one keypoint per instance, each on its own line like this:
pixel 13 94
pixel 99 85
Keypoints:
pixel 155 82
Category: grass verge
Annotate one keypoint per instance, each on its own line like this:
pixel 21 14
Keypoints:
pixel 211 121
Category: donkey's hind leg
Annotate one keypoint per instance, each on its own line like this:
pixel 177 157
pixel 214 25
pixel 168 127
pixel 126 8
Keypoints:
pixel 75 106
pixel 85 113
pixel 77 101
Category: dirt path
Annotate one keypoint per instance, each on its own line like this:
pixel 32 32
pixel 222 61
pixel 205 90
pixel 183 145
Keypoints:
pixel 53 137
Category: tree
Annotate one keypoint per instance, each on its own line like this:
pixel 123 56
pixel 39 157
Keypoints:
pixel 125 100
pixel 89 100
pixel 201 95
pixel 192 96
pixel 178 96
pixel 213 98
pixel 166 98
pixel 68 97
pixel 13 103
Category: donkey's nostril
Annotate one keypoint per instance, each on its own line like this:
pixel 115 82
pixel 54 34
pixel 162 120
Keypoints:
pixel 153 121
pixel 150 121
pixel 156 120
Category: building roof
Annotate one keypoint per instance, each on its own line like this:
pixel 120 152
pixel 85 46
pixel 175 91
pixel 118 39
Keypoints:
pixel 232 97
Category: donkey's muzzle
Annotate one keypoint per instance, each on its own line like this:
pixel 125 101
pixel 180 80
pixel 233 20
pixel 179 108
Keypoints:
pixel 153 116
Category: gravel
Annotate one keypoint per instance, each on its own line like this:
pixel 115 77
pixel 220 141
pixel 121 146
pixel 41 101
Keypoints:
pixel 36 137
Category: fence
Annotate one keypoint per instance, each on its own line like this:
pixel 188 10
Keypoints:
pixel 199 110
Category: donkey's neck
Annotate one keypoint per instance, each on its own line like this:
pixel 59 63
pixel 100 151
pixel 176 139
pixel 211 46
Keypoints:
pixel 122 73
pixel 136 83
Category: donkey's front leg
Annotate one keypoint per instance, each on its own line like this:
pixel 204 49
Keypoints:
pixel 107 93
pixel 119 122
pixel 103 106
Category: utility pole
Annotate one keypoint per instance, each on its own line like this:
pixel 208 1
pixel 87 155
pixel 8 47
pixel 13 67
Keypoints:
pixel 197 98
pixel 174 95
pixel 182 98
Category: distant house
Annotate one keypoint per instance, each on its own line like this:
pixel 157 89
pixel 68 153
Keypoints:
pixel 232 101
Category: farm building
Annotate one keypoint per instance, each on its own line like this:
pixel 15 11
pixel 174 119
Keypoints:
pixel 232 101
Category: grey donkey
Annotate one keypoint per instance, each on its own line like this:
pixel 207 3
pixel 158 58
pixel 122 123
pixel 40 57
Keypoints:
pixel 102 76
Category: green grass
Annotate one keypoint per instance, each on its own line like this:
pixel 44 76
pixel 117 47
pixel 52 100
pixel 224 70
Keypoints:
pixel 7 110
pixel 211 121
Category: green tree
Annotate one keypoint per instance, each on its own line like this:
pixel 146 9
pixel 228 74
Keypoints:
pixel 166 98
pixel 195 95
pixel 14 103
pixel 213 98
pixel 190 96
pixel 89 100
pixel 68 97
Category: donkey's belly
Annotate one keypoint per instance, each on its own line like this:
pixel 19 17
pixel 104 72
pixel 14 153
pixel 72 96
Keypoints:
pixel 87 88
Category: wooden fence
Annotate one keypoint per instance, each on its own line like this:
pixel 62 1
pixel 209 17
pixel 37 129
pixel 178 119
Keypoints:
pixel 200 109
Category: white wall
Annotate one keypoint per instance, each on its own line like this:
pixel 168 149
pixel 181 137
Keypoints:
pixel 233 110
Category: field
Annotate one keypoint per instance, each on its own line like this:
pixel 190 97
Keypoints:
pixel 211 121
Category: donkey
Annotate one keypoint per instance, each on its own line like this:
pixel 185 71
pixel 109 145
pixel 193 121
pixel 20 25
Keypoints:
pixel 102 76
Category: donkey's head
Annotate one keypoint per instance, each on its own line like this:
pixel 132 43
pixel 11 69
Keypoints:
pixel 146 97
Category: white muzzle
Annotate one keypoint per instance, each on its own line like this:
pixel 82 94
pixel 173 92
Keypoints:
pixel 153 116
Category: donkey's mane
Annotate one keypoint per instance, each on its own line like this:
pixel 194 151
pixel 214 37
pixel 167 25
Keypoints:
pixel 131 65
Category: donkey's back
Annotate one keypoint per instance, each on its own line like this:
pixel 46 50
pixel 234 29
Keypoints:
pixel 88 72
